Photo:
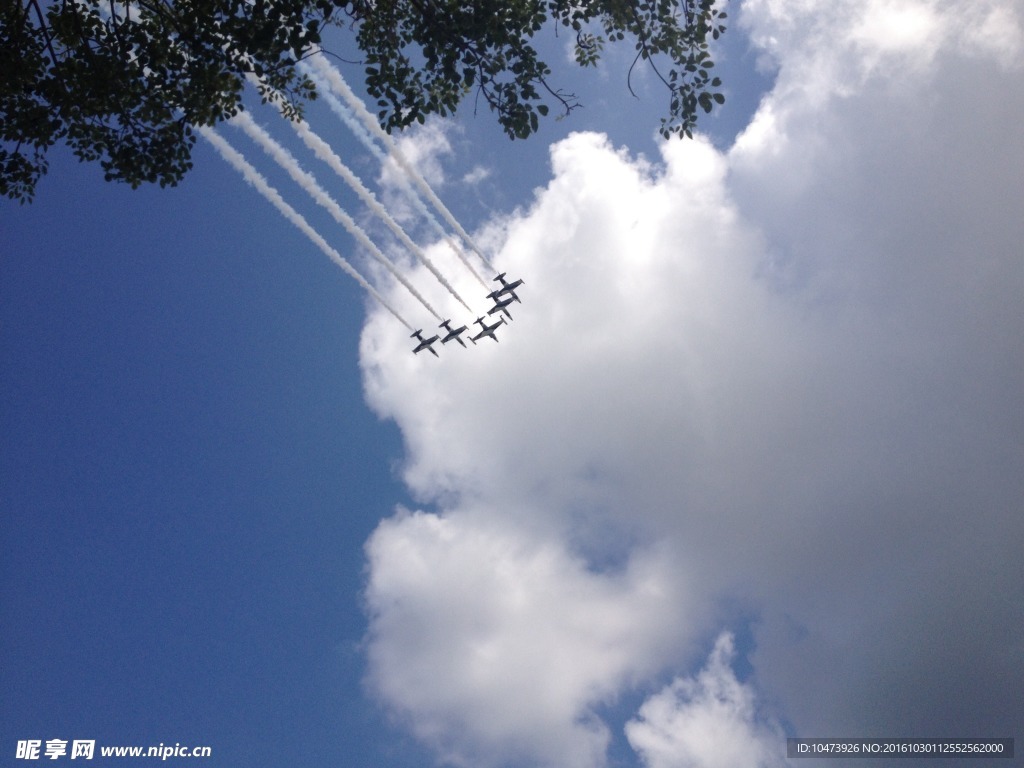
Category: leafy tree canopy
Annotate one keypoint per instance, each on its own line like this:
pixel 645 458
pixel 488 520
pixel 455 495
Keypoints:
pixel 122 83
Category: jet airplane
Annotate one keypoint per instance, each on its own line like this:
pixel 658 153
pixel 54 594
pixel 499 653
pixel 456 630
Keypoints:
pixel 495 295
pixel 506 287
pixel 500 306
pixel 453 334
pixel 425 343
pixel 487 330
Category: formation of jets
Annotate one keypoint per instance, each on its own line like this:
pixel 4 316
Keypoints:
pixel 507 289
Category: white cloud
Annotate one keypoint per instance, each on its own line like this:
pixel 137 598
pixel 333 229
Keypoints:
pixel 423 148
pixel 495 644
pixel 786 375
pixel 475 176
pixel 709 721
pixel 903 32
pixel 994 29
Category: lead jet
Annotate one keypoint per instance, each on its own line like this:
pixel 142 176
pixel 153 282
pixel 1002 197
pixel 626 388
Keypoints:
pixel 453 335
pixel 500 306
pixel 425 343
pixel 487 330
pixel 506 287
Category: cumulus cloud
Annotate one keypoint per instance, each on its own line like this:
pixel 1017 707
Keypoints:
pixel 708 721
pixel 785 376
pixel 495 644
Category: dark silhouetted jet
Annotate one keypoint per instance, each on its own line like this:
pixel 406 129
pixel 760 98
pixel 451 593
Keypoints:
pixel 506 287
pixel 500 306
pixel 487 330
pixel 453 334
pixel 425 343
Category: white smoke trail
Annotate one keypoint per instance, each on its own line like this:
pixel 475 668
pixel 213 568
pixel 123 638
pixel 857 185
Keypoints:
pixel 337 83
pixel 252 176
pixel 323 151
pixel 347 116
pixel 306 180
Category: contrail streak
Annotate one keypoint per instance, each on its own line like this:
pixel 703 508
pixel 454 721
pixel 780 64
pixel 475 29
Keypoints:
pixel 347 116
pixel 306 180
pixel 337 83
pixel 323 151
pixel 252 176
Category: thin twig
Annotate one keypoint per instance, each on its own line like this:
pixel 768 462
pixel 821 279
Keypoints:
pixel 629 75
pixel 46 32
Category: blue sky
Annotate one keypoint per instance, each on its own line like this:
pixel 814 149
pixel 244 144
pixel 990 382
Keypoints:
pixel 746 464
pixel 188 470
